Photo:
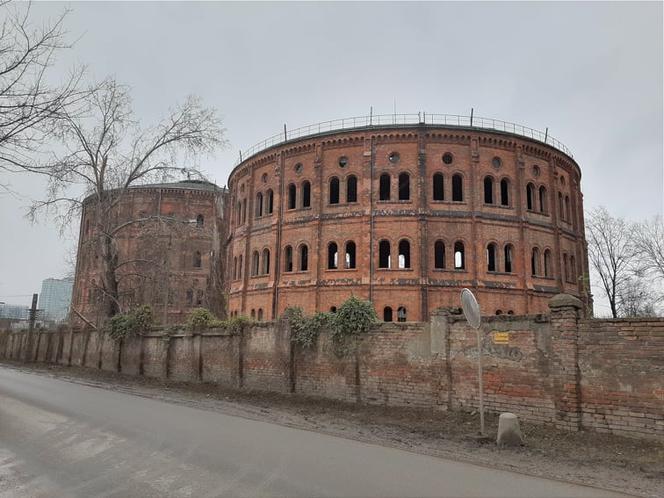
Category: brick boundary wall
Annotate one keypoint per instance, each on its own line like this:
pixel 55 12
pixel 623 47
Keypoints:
pixel 560 369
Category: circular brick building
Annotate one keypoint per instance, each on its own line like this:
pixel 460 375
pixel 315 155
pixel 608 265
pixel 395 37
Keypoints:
pixel 168 239
pixel 405 211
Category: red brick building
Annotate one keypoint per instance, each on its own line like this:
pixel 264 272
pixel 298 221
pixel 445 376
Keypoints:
pixel 170 251
pixel 406 215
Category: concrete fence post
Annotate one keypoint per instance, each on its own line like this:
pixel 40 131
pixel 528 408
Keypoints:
pixel 565 311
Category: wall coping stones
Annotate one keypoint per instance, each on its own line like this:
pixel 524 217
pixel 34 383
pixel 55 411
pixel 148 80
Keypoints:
pixel 565 301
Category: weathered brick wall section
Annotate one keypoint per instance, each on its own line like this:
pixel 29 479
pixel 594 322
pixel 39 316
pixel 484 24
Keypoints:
pixel 621 364
pixel 604 375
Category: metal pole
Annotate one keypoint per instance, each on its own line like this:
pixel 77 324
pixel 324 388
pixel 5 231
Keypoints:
pixel 371 116
pixel 471 116
pixel 546 134
pixel 285 133
pixel 481 383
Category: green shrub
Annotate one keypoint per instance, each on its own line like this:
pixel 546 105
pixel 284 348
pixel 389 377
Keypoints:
pixel 201 318
pixel 135 322
pixel 354 317
pixel 305 330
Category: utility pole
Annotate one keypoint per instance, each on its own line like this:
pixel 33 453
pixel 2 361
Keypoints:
pixel 32 316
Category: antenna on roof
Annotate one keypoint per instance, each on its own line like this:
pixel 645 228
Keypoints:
pixel 471 116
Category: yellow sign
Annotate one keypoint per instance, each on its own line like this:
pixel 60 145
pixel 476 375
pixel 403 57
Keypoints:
pixel 501 337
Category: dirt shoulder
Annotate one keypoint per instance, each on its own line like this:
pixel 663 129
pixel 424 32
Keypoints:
pixel 611 462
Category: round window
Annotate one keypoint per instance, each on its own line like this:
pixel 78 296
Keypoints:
pixel 394 157
pixel 264 178
pixel 343 161
pixel 536 170
pixel 496 162
pixel 299 168
pixel 562 180
pixel 447 158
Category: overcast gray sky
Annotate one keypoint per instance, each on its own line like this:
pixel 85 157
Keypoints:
pixel 590 72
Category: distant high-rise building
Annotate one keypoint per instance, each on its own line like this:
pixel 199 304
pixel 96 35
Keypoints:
pixel 55 298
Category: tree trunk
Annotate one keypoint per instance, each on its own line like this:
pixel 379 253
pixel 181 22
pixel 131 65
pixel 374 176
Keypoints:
pixel 109 277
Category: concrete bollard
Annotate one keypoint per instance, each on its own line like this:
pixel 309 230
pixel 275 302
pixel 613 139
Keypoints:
pixel 509 432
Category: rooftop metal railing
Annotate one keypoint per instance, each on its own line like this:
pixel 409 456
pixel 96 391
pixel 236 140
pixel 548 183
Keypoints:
pixel 453 120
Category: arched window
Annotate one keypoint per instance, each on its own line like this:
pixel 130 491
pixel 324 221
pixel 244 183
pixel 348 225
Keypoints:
pixel 244 211
pixel 240 268
pixel 334 190
pixel 457 188
pixel 459 256
pixel 190 297
pixel 351 189
pixel 504 192
pixel 260 314
pixel 534 262
pixel 253 314
pixel 349 259
pixel 288 259
pixel 404 187
pixel 509 258
pixel 547 263
pixel 488 190
pixel 567 211
pixel 333 309
pixel 255 264
pixel 304 258
pixel 332 256
pixel 292 196
pixel 266 261
pixel 404 254
pixel 439 254
pixel 387 314
pixel 384 254
pixel 530 196
pixel 306 194
pixel 491 257
pixel 565 268
pixel 401 314
pixel 542 199
pixel 269 201
pixel 258 209
pixel 384 187
pixel 438 187
pixel 572 269
pixel 235 268
pixel 561 208
pixel 199 221
pixel 239 213
pixel 197 259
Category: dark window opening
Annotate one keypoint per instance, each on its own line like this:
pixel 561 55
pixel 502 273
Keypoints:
pixel 504 192
pixel 332 256
pixel 459 256
pixel 350 255
pixel 457 188
pixel 567 210
pixel 244 211
pixel 530 194
pixel 384 187
pixel 334 190
pixel 197 259
pixel 384 254
pixel 266 262
pixel 387 314
pixel 547 263
pixel 561 208
pixel 499 312
pixel 304 258
pixel 488 190
pixel 351 189
pixel 255 264
pixel 239 267
pixel 534 262
pixel 190 297
pixel 404 254
pixel 491 257
pixel 258 211
pixel 306 194
pixel 439 254
pixel 292 196
pixel 288 259
pixel 401 314
pixel 438 187
pixel 509 255
pixel 404 187
pixel 253 314
pixel 260 314
pixel 333 309
pixel 269 198
pixel 235 268
pixel 542 199
pixel 199 221
pixel 447 158
pixel 565 268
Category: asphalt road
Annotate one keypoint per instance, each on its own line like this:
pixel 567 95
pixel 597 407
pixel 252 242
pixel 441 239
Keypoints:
pixel 62 439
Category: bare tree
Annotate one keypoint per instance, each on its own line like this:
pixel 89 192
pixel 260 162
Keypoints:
pixel 106 152
pixel 30 104
pixel 649 246
pixel 636 298
pixel 610 252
